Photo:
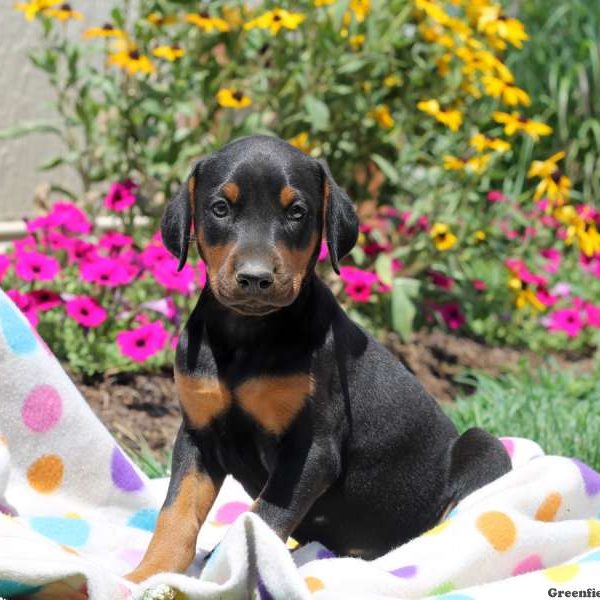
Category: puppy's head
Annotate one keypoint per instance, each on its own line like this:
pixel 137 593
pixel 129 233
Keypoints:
pixel 259 209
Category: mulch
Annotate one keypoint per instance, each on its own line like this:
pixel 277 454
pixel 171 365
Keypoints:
pixel 142 409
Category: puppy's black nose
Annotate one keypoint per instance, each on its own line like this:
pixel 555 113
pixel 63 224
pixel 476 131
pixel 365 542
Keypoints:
pixel 254 277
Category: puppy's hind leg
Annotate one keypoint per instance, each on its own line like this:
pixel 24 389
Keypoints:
pixel 476 458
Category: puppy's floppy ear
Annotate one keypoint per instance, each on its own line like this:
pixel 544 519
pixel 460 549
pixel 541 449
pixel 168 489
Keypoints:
pixel 341 222
pixel 178 218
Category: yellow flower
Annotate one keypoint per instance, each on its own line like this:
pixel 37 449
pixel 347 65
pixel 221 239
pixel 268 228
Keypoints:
pixel 481 142
pixel 450 117
pixel 443 64
pixel 233 16
pixel 324 2
pixel 356 41
pixel 509 93
pixel 382 115
pixel 107 30
pixel 367 86
pixel 476 164
pixel 515 122
pixel 159 19
pixel 432 10
pixel 470 88
pixel 553 183
pixel 170 53
pixel 64 12
pixel 33 7
pixel 132 61
pixel 392 81
pixel 480 235
pixel 207 23
pixel 230 98
pixel 526 297
pixel 275 20
pixel 302 142
pixel 498 27
pixel 442 237
pixel 545 168
pixel 588 237
pixel 360 8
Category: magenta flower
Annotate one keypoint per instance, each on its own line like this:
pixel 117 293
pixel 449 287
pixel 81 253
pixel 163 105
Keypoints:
pixel 44 300
pixel 164 306
pixel 495 196
pixel 25 305
pixel 359 283
pixel 554 257
pixel 56 240
pixel 69 217
pixel 27 244
pixel 567 320
pixel 452 315
pixel 397 265
pixel 592 315
pixel 86 311
pixel 165 272
pixel 143 342
pixel 544 296
pixel 4 265
pixel 78 251
pixel 109 272
pixel 153 254
pixel 120 196
pixel 441 280
pixel 35 266
pixel 479 285
pixel 114 242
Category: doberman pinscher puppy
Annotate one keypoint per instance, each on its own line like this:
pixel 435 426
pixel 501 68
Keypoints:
pixel 335 439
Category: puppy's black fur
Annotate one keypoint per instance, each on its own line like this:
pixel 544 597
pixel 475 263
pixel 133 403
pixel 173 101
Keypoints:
pixel 338 442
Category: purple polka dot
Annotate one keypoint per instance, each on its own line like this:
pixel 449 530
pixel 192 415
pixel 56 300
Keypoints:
pixel 263 592
pixel 123 474
pixel 405 572
pixel 509 446
pixel 591 479
pixel 324 554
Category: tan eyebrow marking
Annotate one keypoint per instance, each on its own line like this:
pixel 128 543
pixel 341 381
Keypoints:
pixel 286 196
pixel 231 191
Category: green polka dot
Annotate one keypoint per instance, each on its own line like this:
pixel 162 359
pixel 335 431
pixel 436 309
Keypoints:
pixel 446 587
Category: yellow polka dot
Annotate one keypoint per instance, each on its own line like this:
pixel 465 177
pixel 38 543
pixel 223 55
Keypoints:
pixel 46 474
pixel 72 515
pixel 594 533
pixel 498 529
pixel 549 507
pixel 561 573
pixel 314 584
pixel 292 544
pixel 439 528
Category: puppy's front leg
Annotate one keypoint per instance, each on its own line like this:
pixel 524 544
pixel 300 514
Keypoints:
pixel 300 476
pixel 192 491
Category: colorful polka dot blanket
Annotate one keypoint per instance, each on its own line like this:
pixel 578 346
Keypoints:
pixel 76 514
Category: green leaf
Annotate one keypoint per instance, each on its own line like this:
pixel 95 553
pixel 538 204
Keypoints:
pixel 318 113
pixel 383 268
pixel 404 292
pixel 27 128
pixel 387 167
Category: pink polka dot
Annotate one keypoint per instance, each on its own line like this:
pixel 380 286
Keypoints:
pixel 532 563
pixel 509 446
pixel 42 409
pixel 230 511
pixel 132 556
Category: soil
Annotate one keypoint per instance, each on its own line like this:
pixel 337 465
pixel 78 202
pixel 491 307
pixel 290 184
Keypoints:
pixel 142 409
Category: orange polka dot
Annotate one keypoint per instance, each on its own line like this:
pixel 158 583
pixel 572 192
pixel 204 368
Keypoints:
pixel 594 533
pixel 46 474
pixel 549 507
pixel 314 584
pixel 70 550
pixel 562 573
pixel 498 529
pixel 3 440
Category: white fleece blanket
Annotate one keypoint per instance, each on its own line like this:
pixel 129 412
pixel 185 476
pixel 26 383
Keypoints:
pixel 75 514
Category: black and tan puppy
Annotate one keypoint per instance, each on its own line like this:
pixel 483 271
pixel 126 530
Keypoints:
pixel 335 439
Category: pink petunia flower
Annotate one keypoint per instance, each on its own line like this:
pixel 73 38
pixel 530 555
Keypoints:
pixel 153 254
pixel 452 315
pixel 554 257
pixel 25 305
pixel 165 272
pixel 545 297
pixel 86 311
pixel 143 342
pixel 109 272
pixel 79 250
pixel 567 320
pixel 479 285
pixel 592 315
pixel 27 244
pixel 359 283
pixel 4 265
pixel 44 300
pixel 120 196
pixel 35 266
pixel 69 217
pixel 441 280
pixel 114 242
pixel 163 306
pixel 495 196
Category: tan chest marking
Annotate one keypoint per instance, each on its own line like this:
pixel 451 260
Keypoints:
pixel 202 399
pixel 274 401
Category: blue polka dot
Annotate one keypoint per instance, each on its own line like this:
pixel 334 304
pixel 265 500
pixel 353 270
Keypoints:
pixel 69 532
pixel 9 589
pixel 454 597
pixel 16 329
pixel 592 557
pixel 144 519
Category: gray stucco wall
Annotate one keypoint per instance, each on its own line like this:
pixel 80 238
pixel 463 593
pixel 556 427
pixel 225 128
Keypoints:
pixel 25 96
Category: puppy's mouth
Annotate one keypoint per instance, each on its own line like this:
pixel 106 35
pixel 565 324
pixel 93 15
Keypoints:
pixel 252 309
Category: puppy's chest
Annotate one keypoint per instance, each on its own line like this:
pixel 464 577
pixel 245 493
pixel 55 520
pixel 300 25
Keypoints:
pixel 271 401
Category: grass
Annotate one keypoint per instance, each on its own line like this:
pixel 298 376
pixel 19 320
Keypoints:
pixel 556 408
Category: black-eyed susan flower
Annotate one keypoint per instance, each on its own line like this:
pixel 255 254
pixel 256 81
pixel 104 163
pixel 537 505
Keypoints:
pixel 33 7
pixel 588 237
pixel 230 98
pixel 158 19
pixel 514 122
pixel 360 8
pixel 508 92
pixel 553 183
pixel 132 61
pixel 324 2
pixel 432 10
pixel 63 12
pixel 108 30
pixel 233 15
pixel 501 29
pixel 452 118
pixel 275 20
pixel 475 164
pixel 382 116
pixel 442 237
pixel 481 142
pixel 170 53
pixel 480 235
pixel 204 21
pixel 392 81
pixel 356 41
pixel 302 142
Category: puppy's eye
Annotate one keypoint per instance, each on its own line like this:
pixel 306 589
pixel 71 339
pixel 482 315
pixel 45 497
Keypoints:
pixel 296 212
pixel 220 209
